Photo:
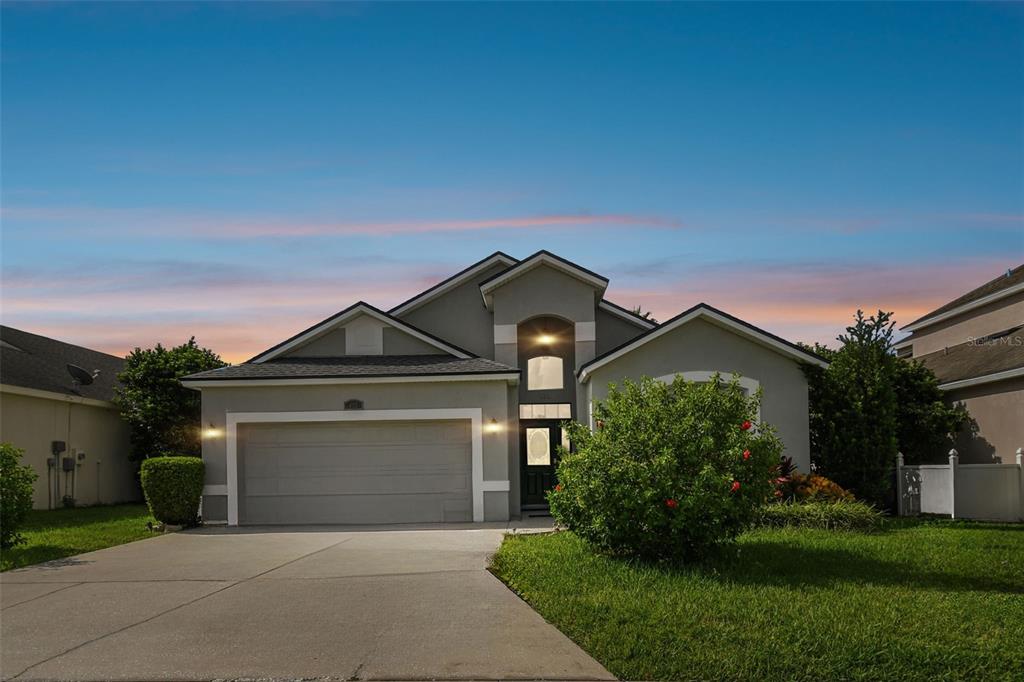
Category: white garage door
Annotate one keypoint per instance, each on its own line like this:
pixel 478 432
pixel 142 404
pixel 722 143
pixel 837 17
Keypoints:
pixel 355 472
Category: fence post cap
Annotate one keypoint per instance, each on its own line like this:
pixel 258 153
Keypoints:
pixel 954 453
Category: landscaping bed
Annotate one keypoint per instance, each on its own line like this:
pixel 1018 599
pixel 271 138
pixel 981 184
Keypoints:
pixel 933 600
pixel 60 533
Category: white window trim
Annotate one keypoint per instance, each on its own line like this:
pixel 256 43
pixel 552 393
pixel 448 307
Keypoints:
pixel 473 414
pixel 751 386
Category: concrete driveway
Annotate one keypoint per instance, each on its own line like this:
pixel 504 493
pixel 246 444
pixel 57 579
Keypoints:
pixel 272 603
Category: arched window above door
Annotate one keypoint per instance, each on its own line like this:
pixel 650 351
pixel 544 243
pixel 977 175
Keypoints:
pixel 544 373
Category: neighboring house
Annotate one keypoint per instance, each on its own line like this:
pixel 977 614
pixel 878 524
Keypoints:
pixel 449 407
pixel 975 346
pixel 40 405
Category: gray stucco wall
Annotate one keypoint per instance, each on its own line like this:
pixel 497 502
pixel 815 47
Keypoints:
pixel 702 346
pixel 459 316
pixel 613 331
pixel 397 342
pixel 544 291
pixel 490 396
pixel 331 344
pixel 998 413
pixel 106 475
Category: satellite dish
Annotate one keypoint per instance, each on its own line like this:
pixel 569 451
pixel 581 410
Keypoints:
pixel 81 377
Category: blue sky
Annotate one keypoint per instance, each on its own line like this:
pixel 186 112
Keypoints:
pixel 239 171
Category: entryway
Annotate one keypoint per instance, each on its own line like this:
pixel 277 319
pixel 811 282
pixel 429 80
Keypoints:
pixel 539 440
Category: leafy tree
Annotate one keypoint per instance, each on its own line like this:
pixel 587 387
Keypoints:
pixel 926 424
pixel 671 471
pixel 853 409
pixel 16 481
pixel 163 415
pixel 645 314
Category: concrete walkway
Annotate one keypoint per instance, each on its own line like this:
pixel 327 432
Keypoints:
pixel 270 603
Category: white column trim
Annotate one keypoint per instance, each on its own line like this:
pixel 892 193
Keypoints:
pixel 474 414
pixel 506 333
pixel 586 331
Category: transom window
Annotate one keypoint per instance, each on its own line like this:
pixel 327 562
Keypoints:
pixel 545 411
pixel 544 373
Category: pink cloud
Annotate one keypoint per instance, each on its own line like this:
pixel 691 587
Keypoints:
pixel 153 222
pixel 812 302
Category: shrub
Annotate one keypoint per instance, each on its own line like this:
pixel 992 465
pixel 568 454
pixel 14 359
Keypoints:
pixel 832 515
pixel 673 469
pixel 813 488
pixel 16 481
pixel 173 487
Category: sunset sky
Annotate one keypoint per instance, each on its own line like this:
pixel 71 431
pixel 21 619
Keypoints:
pixel 239 172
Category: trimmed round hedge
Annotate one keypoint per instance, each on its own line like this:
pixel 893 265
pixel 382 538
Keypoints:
pixel 671 470
pixel 173 487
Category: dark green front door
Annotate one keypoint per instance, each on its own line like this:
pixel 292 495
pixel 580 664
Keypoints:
pixel 538 448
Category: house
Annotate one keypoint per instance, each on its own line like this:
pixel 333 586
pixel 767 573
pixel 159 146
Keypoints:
pixel 975 346
pixel 72 434
pixel 449 406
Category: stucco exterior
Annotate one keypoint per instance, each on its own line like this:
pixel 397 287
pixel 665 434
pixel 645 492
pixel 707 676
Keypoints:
pixel 505 313
pixel 997 410
pixel 104 476
pixel 702 346
pixel 976 323
pixel 490 396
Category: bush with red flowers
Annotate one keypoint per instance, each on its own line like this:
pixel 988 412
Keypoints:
pixel 676 470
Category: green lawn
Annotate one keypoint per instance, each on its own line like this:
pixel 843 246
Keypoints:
pixel 65 532
pixel 919 601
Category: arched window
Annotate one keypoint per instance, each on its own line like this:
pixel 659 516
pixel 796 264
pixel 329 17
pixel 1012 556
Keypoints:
pixel 544 373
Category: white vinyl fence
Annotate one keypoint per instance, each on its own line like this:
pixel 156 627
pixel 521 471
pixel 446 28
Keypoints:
pixel 991 492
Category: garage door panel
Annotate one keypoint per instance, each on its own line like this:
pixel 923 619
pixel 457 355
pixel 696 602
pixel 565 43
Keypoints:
pixel 356 472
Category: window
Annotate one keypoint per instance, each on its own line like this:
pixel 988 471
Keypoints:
pixel 544 373
pixel 542 411
pixel 538 447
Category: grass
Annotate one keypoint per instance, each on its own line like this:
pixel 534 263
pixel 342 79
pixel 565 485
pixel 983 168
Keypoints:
pixel 60 533
pixel 916 601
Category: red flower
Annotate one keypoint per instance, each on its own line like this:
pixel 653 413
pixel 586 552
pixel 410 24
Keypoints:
pixel 746 454
pixel 671 504
pixel 735 486
pixel 746 425
pixel 558 488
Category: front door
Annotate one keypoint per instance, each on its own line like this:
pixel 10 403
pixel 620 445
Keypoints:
pixel 538 444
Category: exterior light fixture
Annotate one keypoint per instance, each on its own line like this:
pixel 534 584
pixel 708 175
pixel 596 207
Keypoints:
pixel 493 426
pixel 545 339
pixel 211 432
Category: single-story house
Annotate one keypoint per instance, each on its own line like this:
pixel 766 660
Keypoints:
pixel 449 406
pixel 72 434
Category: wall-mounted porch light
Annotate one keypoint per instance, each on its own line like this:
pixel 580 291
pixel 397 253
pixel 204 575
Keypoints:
pixel 546 339
pixel 211 432
pixel 493 426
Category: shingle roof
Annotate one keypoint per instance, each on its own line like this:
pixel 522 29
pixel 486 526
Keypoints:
pixel 33 361
pixel 978 358
pixel 1006 280
pixel 357 366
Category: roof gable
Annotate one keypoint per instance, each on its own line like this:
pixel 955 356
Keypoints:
pixel 352 315
pixel 541 258
pixel 439 289
pixel 1007 284
pixel 717 317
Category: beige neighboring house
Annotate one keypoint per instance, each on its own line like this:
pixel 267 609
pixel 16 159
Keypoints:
pixel 41 407
pixel 450 406
pixel 975 346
